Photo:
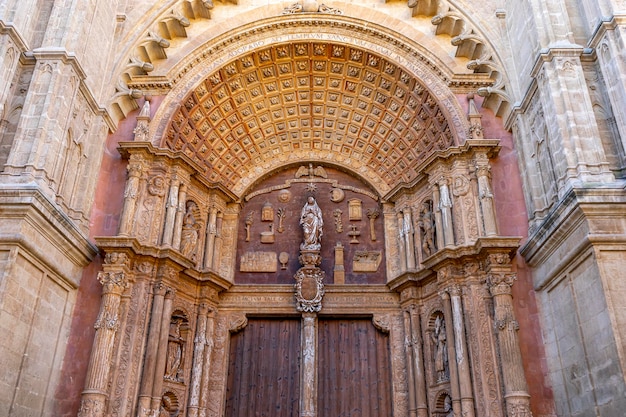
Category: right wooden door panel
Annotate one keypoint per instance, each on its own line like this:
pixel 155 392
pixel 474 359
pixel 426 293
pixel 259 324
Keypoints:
pixel 354 369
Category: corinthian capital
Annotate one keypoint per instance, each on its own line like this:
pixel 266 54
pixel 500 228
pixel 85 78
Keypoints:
pixel 113 282
pixel 500 283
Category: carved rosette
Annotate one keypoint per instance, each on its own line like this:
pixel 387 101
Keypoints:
pixel 309 289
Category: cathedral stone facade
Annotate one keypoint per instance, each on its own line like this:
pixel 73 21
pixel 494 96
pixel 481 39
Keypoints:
pixel 232 208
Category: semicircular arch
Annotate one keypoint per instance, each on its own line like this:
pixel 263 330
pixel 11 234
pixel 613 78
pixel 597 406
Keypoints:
pixel 335 90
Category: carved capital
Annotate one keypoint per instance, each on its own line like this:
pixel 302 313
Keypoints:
pixel 499 259
pixel 90 407
pixel 144 268
pixel 455 290
pixel 170 293
pixel 113 282
pixel 500 283
pixel 160 288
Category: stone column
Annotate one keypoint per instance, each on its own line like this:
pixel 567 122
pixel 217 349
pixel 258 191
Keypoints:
pixel 159 369
pixel 451 342
pixel 438 217
pixel 170 211
pixel 135 171
pixel 114 282
pixel 401 242
pixel 462 359
pixel 410 360
pixel 198 361
pixel 211 231
pixel 308 388
pixel 339 271
pixel 500 278
pixel 206 363
pixel 485 196
pixel 445 205
pixel 180 214
pixel 147 379
pixel 217 250
pixel 408 239
pixel 415 360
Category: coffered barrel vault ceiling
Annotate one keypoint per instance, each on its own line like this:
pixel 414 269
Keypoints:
pixel 346 103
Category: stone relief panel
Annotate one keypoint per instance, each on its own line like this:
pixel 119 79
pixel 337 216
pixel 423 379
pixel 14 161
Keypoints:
pixel 320 183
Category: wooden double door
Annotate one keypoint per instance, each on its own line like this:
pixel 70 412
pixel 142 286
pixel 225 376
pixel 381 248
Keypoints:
pixel 353 369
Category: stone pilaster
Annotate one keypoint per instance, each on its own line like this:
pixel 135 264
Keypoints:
pixel 418 404
pixel 115 280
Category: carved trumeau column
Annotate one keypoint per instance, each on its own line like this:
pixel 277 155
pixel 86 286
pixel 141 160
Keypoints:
pixel 308 390
pixel 180 213
pixel 114 279
pixel 131 192
pixel 170 211
pixel 500 278
pixel 462 359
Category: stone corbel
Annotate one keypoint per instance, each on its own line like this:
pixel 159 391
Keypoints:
pixel 238 321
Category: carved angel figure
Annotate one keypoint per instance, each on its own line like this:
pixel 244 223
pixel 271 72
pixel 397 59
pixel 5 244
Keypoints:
pixel 427 229
pixel 312 223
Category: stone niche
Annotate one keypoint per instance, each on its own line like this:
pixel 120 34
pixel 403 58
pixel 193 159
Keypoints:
pixel 286 192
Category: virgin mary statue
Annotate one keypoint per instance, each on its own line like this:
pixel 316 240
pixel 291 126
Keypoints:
pixel 311 222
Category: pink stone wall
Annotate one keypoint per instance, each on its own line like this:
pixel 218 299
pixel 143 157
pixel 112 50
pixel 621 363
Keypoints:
pixel 513 221
pixel 105 215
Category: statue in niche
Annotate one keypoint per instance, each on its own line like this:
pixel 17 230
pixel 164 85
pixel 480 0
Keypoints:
pixel 440 349
pixel 312 223
pixel 426 225
pixel 189 234
pixel 173 370
pixel 447 407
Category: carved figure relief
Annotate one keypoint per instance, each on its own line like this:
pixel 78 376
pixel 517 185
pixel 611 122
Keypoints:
pixel 190 233
pixel 303 171
pixel 175 349
pixel 268 237
pixel 284 196
pixel 337 195
pixel 366 261
pixel 283 258
pixel 440 350
pixel 426 224
pixel 312 225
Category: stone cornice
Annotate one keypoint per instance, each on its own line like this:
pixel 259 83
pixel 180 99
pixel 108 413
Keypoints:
pixel 133 247
pixel 69 58
pixel 27 210
pixel 9 29
pixel 147 148
pixel 557 50
pixel 490 146
pixel 579 205
pixel 606 24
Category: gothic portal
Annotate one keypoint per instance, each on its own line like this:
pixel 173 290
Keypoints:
pixel 395 208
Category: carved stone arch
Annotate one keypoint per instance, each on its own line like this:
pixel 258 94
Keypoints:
pixel 215 102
